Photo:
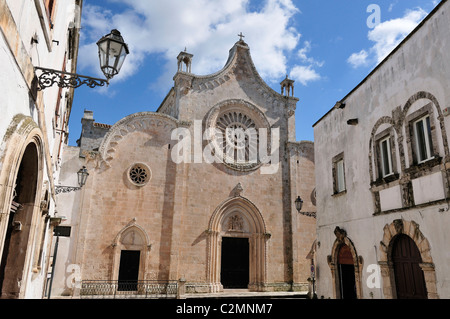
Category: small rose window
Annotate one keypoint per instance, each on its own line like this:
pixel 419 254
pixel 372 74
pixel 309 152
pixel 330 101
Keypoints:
pixel 139 174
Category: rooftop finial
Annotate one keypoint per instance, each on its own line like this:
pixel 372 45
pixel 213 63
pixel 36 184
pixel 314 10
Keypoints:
pixel 240 35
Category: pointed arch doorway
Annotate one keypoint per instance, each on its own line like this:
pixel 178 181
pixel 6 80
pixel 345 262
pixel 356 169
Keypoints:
pixel 237 246
pixel 234 267
pixel 131 248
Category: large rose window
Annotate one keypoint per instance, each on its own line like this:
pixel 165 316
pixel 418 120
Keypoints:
pixel 236 135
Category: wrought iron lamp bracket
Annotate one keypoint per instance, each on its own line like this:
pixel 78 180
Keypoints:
pixel 49 77
pixel 66 189
pixel 309 214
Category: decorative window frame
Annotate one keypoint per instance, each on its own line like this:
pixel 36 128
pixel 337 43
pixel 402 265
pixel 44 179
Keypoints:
pixel 338 158
pixel 411 141
pixel 147 179
pixel 402 122
pixel 387 133
pixel 251 111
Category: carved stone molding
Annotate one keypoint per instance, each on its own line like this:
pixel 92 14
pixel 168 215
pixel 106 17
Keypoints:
pixel 342 239
pixel 237 114
pixel 142 121
pixel 235 223
pixel 411 229
pixel 237 190
pixel 238 217
pixel 340 234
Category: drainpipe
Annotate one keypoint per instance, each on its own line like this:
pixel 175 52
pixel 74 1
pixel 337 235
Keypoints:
pixel 55 253
pixel 54 221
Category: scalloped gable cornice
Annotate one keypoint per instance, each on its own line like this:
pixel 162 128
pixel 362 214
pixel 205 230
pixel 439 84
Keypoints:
pixel 239 63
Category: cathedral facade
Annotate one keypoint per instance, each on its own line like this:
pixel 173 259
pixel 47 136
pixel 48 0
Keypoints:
pixel 203 190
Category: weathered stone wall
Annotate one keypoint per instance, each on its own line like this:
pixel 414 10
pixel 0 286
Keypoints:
pixel 92 133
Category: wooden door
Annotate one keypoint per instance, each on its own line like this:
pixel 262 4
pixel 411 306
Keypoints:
pixel 409 277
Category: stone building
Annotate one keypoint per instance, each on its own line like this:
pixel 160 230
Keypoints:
pixel 33 129
pixel 382 175
pixel 177 193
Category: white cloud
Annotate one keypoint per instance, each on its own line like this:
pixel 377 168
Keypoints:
pixel 304 74
pixel 302 54
pixel 389 34
pixel 386 36
pixel 207 28
pixel 358 59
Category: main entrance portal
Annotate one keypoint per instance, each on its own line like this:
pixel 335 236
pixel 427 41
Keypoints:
pixel 237 246
pixel 235 262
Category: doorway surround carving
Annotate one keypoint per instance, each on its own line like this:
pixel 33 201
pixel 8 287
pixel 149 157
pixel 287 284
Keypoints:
pixel 238 217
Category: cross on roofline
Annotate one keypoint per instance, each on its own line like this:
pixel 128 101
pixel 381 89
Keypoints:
pixel 240 35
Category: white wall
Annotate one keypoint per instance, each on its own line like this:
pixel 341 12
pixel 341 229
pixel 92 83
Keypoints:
pixel 420 64
pixel 18 55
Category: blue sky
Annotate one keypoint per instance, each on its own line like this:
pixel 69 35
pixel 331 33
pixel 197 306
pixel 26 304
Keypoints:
pixel 326 46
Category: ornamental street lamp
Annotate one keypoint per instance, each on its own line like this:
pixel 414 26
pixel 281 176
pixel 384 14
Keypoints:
pixel 112 51
pixel 299 205
pixel 82 177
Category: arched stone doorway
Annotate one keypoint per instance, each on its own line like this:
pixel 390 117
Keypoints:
pixel 18 224
pixel 346 267
pixel 409 278
pixel 387 257
pixel 130 255
pixel 239 219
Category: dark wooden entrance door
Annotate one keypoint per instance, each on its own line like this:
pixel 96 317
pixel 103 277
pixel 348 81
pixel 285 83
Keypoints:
pixel 346 268
pixel 235 263
pixel 409 278
pixel 129 270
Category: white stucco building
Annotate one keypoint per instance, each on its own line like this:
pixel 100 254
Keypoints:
pixel 382 181
pixel 33 128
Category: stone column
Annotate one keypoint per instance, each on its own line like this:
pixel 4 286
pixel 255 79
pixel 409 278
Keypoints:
pixel 181 291
pixel 430 279
pixel 387 275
